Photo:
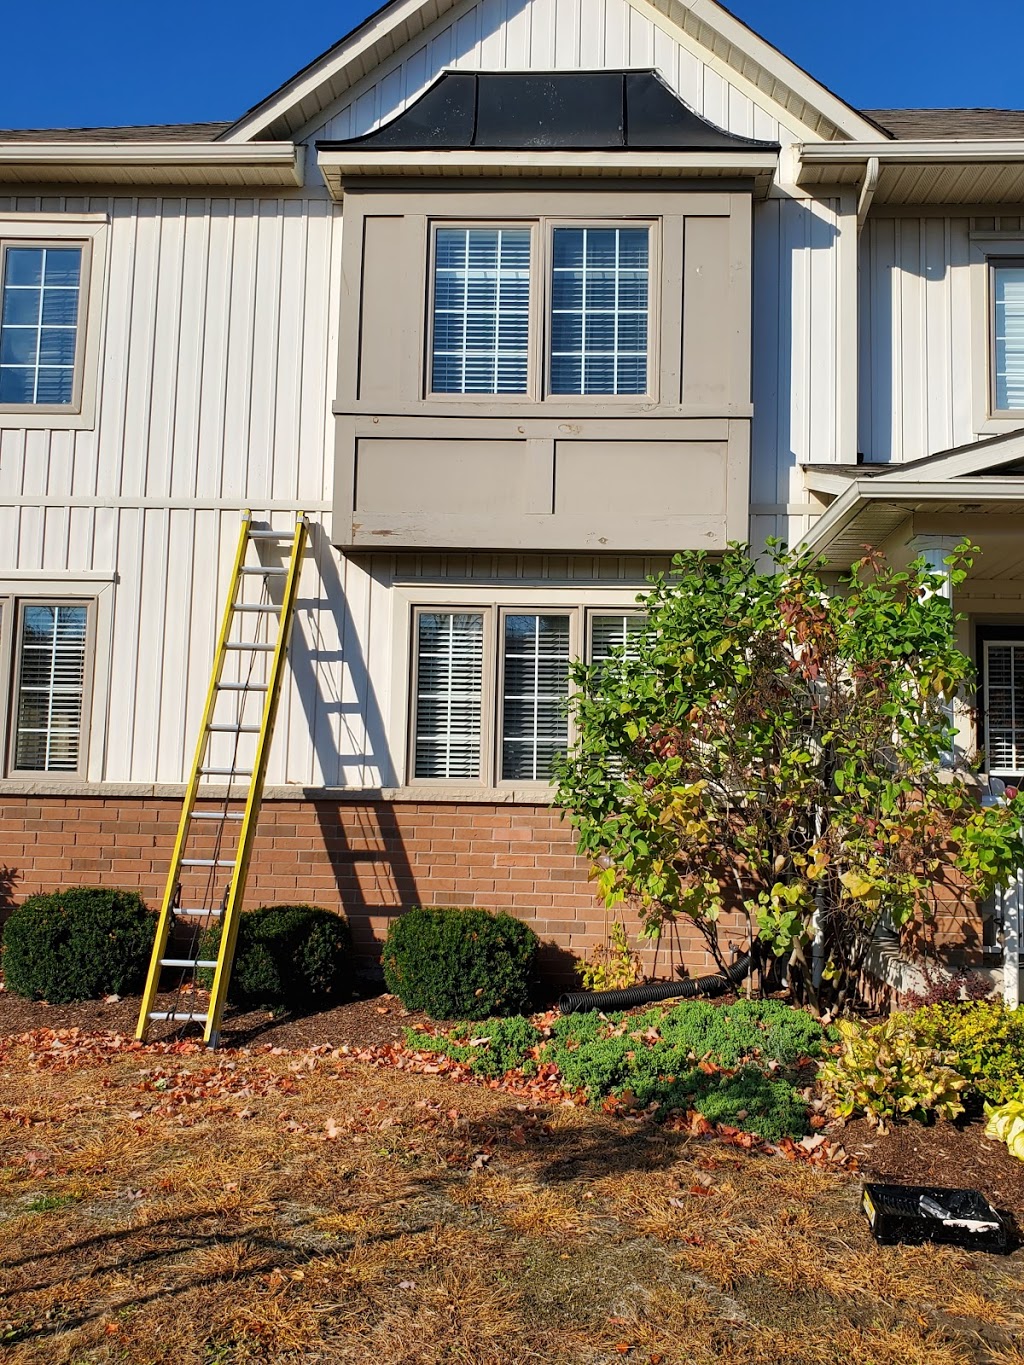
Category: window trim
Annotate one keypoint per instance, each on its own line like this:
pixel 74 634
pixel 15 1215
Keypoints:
pixel 10 654
pixel 538 361
pixel 89 231
pixel 494 599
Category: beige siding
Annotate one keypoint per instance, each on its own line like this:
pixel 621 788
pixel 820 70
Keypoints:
pixel 916 353
pixel 544 35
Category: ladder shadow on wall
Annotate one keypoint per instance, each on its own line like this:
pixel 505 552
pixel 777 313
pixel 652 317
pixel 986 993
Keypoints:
pixel 362 841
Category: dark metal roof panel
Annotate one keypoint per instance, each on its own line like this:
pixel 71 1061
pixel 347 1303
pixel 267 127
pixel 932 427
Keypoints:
pixel 553 111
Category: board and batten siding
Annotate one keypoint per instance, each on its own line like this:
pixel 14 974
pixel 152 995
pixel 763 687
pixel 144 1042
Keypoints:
pixel 916 353
pixel 216 379
pixel 546 35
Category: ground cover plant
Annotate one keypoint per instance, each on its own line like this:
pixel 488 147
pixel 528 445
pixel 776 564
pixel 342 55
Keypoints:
pixel 78 944
pixel 744 1064
pixel 162 1206
pixel 772 747
pixel 460 964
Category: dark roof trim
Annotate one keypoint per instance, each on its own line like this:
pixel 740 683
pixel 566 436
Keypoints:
pixel 550 111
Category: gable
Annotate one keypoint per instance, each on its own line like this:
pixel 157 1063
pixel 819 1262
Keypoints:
pixel 733 79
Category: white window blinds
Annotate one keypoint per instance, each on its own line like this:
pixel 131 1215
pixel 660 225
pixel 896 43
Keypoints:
pixel 449 694
pixel 621 631
pixel 39 324
pixel 50 688
pixel 599 301
pixel 1008 335
pixel 535 673
pixel 1004 706
pixel 481 310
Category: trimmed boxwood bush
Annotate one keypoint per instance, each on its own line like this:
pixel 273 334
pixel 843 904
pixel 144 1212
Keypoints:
pixel 460 964
pixel 290 957
pixel 78 944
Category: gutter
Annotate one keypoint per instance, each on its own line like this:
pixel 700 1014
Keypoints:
pixel 152 163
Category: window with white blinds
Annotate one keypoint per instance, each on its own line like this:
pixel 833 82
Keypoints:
pixel 39 324
pixel 50 687
pixel 1008 335
pixel 481 310
pixel 1004 706
pixel 609 633
pixel 449 694
pixel 535 687
pixel 599 307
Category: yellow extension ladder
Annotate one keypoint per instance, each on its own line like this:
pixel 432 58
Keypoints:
pixel 219 824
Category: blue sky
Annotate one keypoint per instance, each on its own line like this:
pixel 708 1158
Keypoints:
pixel 144 63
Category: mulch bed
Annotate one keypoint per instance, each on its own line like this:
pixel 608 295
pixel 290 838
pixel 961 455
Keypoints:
pixel 945 1154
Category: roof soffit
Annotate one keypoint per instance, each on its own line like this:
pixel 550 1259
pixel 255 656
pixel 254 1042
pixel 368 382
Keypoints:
pixel 305 100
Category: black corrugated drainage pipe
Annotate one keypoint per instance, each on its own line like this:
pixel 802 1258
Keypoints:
pixel 578 1002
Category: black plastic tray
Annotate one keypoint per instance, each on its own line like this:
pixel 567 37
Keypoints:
pixel 896 1214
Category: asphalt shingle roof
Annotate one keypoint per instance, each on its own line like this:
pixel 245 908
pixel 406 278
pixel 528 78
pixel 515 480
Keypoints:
pixel 950 123
pixel 146 132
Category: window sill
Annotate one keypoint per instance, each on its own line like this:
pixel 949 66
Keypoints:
pixel 490 796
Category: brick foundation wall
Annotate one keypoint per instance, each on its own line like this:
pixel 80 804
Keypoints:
pixel 370 859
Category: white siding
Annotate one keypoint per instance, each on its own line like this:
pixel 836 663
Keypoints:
pixel 544 35
pixel 916 354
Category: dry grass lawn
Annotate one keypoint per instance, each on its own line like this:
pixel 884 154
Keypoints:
pixel 264 1208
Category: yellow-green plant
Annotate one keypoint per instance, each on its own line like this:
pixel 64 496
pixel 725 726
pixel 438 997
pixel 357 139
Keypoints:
pixel 885 1074
pixel 1006 1124
pixel 985 1041
pixel 613 965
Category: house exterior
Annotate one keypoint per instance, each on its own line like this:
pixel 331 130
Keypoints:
pixel 514 298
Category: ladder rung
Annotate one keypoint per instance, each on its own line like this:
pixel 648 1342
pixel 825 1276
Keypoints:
pixel 218 815
pixel 259 568
pixel 242 687
pixel 207 862
pixel 271 535
pixel 235 729
pixel 249 644
pixel 226 772
pixel 187 962
pixel 258 606
pixel 185 1018
pixel 197 910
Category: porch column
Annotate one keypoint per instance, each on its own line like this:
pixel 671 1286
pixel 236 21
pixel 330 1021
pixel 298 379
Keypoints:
pixel 935 550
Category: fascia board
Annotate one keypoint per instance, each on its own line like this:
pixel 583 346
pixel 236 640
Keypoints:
pixel 47 160
pixel 912 153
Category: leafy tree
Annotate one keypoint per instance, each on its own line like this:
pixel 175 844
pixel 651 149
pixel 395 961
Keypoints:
pixel 772 744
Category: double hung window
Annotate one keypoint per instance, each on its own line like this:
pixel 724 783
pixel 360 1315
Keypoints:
pixel 1007 332
pixel 47 646
pixel 542 309
pixel 490 688
pixel 1003 708
pixel 42 290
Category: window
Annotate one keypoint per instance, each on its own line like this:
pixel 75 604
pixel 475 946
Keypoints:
pixel 40 324
pixel 1004 706
pixel 490 687
pixel 49 689
pixel 1007 295
pixel 486 291
pixel 599 310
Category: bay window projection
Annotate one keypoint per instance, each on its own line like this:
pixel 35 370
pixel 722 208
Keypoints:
pixel 599 310
pixel 49 688
pixel 39 324
pixel 1008 336
pixel 481 310
pixel 1004 707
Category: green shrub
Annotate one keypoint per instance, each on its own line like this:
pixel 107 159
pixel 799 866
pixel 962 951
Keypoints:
pixel 460 964
pixel 492 1048
pixel 886 1074
pixel 78 944
pixel 985 1041
pixel 290 957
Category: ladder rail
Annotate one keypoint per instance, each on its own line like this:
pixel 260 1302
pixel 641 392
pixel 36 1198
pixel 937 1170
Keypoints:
pixel 254 800
pixel 163 928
